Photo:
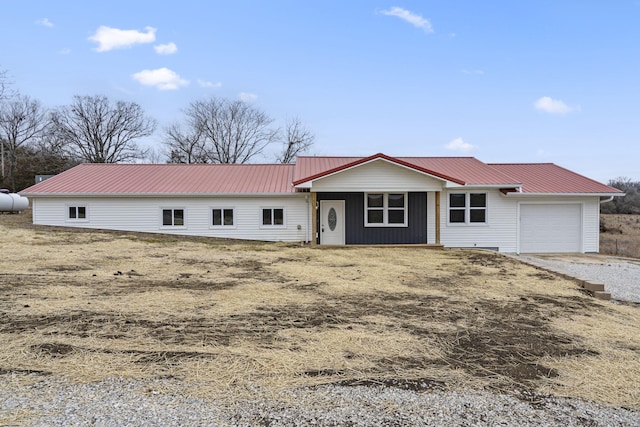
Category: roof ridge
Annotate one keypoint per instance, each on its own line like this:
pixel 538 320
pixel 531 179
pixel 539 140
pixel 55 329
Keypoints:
pixel 526 163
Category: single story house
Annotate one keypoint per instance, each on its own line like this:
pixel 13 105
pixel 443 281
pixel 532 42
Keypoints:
pixel 456 202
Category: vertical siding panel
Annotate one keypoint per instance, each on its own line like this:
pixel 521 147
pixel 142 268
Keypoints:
pixel 357 234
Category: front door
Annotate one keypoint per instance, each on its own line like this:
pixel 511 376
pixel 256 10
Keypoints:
pixel 332 222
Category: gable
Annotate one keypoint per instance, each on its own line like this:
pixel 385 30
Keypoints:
pixel 378 175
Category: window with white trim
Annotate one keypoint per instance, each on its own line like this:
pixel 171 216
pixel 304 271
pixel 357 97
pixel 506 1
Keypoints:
pixel 222 217
pixel 173 217
pixel 273 217
pixel 77 213
pixel 385 209
pixel 467 208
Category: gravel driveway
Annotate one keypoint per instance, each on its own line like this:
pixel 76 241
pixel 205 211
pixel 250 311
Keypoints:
pixel 621 276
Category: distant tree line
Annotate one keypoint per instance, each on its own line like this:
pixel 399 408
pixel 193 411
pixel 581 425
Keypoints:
pixel 627 204
pixel 35 140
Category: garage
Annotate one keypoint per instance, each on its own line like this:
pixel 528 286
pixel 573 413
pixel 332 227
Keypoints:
pixel 550 228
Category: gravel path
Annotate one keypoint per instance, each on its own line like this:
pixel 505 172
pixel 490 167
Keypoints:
pixel 120 402
pixel 621 277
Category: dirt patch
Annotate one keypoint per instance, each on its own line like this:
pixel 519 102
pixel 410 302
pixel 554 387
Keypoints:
pixel 53 349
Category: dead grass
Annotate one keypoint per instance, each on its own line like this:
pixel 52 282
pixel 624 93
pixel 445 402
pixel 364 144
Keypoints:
pixel 227 319
pixel 620 235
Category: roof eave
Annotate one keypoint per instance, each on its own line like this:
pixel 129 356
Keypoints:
pixel 288 193
pixel 516 194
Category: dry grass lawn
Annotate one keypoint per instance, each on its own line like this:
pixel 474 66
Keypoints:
pixel 229 319
pixel 620 235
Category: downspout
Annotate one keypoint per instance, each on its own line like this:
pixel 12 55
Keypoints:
pixel 610 198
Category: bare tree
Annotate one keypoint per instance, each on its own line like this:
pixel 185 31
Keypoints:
pixel 297 140
pixel 97 131
pixel 22 121
pixel 185 146
pixel 5 84
pixel 232 131
pixel 627 204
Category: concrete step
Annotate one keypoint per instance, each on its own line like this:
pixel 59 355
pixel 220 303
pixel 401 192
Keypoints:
pixel 605 296
pixel 593 286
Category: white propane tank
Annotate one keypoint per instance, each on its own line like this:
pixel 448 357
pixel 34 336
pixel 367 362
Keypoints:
pixel 12 202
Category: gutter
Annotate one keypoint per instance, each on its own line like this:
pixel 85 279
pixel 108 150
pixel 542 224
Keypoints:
pixel 516 194
pixel 54 195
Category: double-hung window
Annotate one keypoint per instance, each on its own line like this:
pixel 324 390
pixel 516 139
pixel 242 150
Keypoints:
pixel 385 209
pixel 273 217
pixel 467 208
pixel 222 217
pixel 173 218
pixel 77 213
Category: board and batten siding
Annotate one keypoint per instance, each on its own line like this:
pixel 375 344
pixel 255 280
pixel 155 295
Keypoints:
pixel 357 234
pixel 499 232
pixel 378 176
pixel 144 214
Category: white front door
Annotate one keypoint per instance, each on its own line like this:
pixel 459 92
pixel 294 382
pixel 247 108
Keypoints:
pixel 332 222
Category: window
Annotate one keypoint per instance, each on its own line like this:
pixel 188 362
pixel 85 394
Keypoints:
pixel 173 217
pixel 273 216
pixel 467 208
pixel 77 213
pixel 222 217
pixel 385 210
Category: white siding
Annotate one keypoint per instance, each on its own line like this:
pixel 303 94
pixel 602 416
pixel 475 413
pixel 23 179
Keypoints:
pixel 500 230
pixel 378 175
pixel 145 215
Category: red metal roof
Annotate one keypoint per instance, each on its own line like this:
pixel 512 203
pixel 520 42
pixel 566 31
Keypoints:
pixel 461 170
pixel 551 178
pixel 165 179
pixel 168 179
pixel 469 170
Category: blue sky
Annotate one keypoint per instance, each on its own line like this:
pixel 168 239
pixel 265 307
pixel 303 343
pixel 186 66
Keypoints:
pixel 504 81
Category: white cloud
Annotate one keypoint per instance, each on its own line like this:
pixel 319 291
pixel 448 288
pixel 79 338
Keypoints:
pixel 476 72
pixel 166 49
pixel 113 38
pixel 552 106
pixel 65 51
pixel 247 97
pixel 410 17
pixel 162 78
pixel 204 83
pixel 459 145
pixel 45 22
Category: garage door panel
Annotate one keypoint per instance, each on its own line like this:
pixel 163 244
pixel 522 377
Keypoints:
pixel 550 228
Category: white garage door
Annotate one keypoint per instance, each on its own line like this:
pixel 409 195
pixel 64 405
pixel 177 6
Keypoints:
pixel 550 228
